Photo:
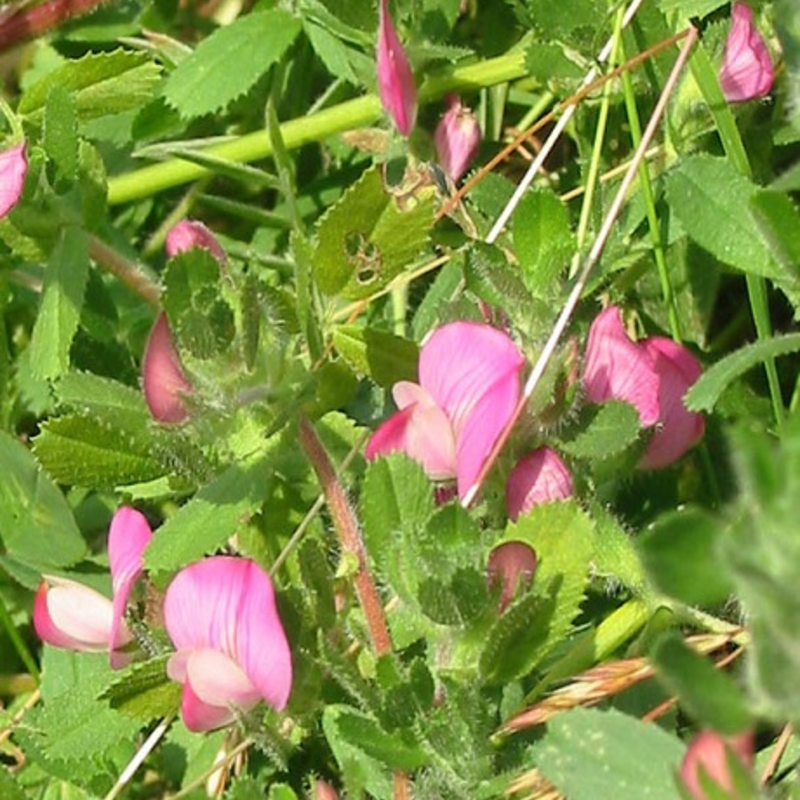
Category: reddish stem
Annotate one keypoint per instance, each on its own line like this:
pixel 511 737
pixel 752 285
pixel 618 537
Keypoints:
pixel 28 23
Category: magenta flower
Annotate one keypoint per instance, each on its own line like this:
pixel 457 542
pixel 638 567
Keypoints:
pixel 13 169
pixel 70 615
pixel 708 754
pixel 540 477
pixel 164 382
pixel 652 375
pixel 747 70
pixel 231 648
pixel 190 233
pixel 396 86
pixel 457 138
pixel 468 388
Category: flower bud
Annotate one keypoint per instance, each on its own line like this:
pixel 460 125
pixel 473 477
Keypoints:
pixel 510 565
pixel 708 755
pixel 163 379
pixel 396 86
pixel 457 138
pixel 747 71
pixel 190 233
pixel 540 477
pixel 13 169
pixel 324 791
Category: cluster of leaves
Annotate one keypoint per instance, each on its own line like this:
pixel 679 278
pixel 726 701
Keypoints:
pixel 338 266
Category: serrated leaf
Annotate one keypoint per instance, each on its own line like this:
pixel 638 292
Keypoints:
pixel 589 754
pixel 62 301
pixel 60 134
pixel 36 525
pixel 100 84
pixel 94 395
pixel 690 8
pixel 778 220
pixel 708 694
pixel 370 236
pixel 9 788
pixel 562 536
pixel 543 241
pixel 143 692
pixel 611 428
pixel 703 396
pixel 85 450
pixel 712 201
pixel 204 82
pixel 680 553
pixel 211 517
pixel 382 356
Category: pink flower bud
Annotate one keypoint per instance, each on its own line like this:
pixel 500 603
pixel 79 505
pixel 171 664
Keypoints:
pixel 540 477
pixel 396 86
pixel 510 565
pixel 708 755
pixel 13 168
pixel 457 138
pixel 163 379
pixel 324 791
pixel 190 233
pixel 653 376
pixel 747 70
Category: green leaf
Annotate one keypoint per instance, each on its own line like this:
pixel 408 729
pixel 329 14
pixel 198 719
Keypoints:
pixel 60 135
pixel 708 694
pixel 680 553
pixel 93 395
pixel 100 84
pixel 9 788
pixel 562 536
pixel 144 692
pixel 370 236
pixel 778 220
pixel 277 791
pixel 712 201
pixel 703 396
pixel 611 428
pixel 588 754
pixel 86 450
pixel 543 241
pixel 211 517
pixel 62 301
pixel 691 8
pixel 36 524
pixel 204 82
pixel 382 356
pixel 787 27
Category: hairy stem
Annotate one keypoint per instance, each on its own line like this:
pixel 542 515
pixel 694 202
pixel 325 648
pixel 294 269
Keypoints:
pixel 127 272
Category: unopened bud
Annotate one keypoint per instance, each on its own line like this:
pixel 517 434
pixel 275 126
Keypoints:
pixel 13 169
pixel 396 85
pixel 188 234
pixel 708 755
pixel 510 565
pixel 457 138
pixel 163 379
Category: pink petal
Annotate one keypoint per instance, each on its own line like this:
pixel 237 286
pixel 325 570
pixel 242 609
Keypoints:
pixel 540 477
pixel 708 753
pixel 679 429
pixel 228 604
pixel 163 378
pixel 70 615
pixel 616 368
pixel 747 70
pixel 13 169
pixel 128 537
pixel 396 86
pixel 190 233
pixel 199 716
pixel 422 432
pixel 457 138
pixel 219 681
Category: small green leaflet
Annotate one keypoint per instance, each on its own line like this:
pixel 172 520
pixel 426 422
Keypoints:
pixel 691 8
pixel 370 236
pixel 205 82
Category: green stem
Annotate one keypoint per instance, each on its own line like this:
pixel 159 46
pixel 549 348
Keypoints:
pixel 17 641
pixel 358 113
pixel 706 79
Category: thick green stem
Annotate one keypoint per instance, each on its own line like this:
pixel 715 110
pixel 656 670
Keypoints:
pixel 17 642
pixel 358 113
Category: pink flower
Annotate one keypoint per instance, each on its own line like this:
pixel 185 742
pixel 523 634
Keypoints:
pixel 13 169
pixel 708 755
pixel 468 388
pixel 396 86
pixel 73 616
pixel 540 477
pixel 510 565
pixel 190 233
pixel 163 379
pixel 652 375
pixel 457 138
pixel 231 648
pixel 747 70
